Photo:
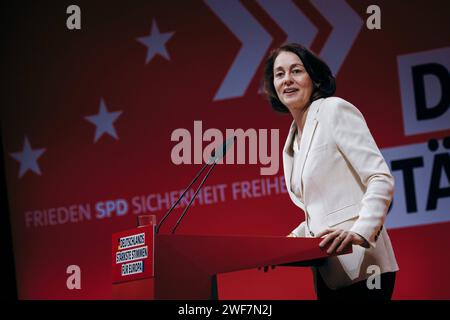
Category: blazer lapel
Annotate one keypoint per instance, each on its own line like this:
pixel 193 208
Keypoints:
pixel 288 156
pixel 288 160
pixel 305 142
pixel 307 136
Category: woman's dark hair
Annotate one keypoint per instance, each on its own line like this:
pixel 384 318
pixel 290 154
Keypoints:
pixel 319 72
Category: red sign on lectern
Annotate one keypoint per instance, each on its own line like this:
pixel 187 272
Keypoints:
pixel 133 254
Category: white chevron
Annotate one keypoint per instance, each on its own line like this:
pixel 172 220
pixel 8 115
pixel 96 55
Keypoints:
pixel 346 25
pixel 255 43
pixel 291 19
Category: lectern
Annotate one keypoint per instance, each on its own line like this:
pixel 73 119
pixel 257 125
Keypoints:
pixel 186 266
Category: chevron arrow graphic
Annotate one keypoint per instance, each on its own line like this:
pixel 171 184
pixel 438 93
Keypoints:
pixel 291 19
pixel 255 43
pixel 346 25
pixel 256 40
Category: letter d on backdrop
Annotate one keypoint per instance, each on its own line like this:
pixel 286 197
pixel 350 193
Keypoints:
pixel 425 90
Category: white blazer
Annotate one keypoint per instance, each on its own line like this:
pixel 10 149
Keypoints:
pixel 346 184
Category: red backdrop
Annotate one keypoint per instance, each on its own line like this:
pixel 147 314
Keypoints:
pixel 57 77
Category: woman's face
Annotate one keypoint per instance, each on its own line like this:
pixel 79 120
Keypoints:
pixel 291 81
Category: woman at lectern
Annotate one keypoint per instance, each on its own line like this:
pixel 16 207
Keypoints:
pixel 336 174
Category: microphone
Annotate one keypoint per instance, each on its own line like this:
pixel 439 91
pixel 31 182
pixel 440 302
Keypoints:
pixel 216 155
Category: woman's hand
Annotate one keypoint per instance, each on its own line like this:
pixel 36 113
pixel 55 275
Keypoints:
pixel 340 240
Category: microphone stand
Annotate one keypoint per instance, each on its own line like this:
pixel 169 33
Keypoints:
pixel 181 197
pixel 215 156
pixel 193 197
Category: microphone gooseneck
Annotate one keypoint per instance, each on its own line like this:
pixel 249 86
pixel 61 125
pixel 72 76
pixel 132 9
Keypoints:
pixel 193 197
pixel 216 155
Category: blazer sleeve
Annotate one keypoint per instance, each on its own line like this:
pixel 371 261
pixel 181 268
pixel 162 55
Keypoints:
pixel 356 143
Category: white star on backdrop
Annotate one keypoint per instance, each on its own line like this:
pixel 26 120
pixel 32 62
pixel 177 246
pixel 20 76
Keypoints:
pixel 104 121
pixel 28 158
pixel 156 42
